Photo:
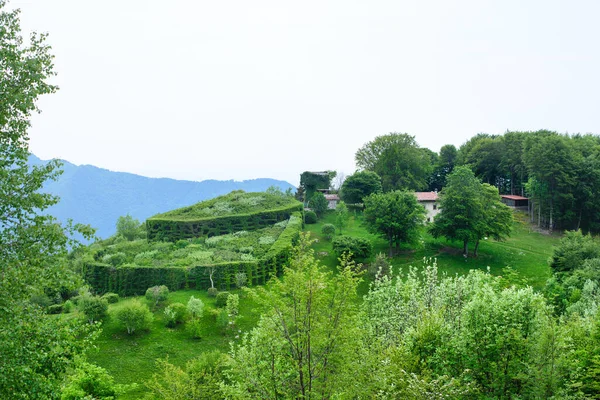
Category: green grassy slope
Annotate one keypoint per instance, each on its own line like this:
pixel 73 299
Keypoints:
pixel 526 251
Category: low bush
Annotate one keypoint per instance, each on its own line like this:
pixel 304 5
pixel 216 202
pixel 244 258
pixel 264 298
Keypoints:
pixel 68 307
pixel 156 294
pixel 194 328
pixel 212 292
pixel 180 244
pixel 328 230
pixel 93 307
pixel 134 316
pixel 111 298
pixel 175 314
pixel 241 280
pixel 310 217
pixel 379 267
pixel 222 299
pixel 195 307
pixel 360 248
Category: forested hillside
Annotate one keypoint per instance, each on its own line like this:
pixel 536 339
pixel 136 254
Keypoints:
pixel 96 196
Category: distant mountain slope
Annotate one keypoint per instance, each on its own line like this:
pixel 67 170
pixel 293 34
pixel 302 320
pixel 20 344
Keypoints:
pixel 97 196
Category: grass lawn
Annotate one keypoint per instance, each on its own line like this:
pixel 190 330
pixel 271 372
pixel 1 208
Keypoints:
pixel 132 358
pixel 526 251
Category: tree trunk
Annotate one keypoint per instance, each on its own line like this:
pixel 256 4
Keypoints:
pixel 551 212
pixel 579 219
pixel 465 248
pixel 476 247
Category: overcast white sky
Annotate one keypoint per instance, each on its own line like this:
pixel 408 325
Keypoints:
pixel 247 89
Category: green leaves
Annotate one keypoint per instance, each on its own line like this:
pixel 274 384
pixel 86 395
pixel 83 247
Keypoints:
pixel 396 216
pixel 398 160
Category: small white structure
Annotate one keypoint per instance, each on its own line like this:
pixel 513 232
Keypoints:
pixel 429 200
pixel 332 201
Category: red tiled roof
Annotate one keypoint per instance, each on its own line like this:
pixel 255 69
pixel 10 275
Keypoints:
pixel 330 197
pixel 426 196
pixel 513 197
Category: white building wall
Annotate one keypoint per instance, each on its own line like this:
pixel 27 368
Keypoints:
pixel 432 209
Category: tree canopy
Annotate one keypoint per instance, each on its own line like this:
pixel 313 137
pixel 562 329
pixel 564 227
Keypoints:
pixel 470 210
pixel 396 216
pixel 35 350
pixel 359 185
pixel 398 160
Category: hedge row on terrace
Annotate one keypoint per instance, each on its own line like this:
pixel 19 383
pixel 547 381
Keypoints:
pixel 171 230
pixel 134 280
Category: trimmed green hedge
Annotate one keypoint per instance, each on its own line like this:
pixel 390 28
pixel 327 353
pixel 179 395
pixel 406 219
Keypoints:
pixel 172 230
pixel 135 280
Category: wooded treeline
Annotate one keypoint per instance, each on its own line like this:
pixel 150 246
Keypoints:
pixel 559 173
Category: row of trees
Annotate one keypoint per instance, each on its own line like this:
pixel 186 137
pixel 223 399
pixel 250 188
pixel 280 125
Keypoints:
pixel 559 173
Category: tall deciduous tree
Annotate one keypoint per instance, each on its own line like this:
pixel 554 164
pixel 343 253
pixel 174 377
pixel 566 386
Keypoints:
pixel 461 208
pixel 307 343
pixel 396 216
pixel 398 160
pixel 35 350
pixel 318 203
pixel 128 227
pixel 444 166
pixel 497 218
pixel 359 185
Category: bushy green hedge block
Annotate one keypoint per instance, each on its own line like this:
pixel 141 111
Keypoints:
pixel 161 228
pixel 130 280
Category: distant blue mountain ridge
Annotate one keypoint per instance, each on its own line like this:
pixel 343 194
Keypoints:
pixel 98 197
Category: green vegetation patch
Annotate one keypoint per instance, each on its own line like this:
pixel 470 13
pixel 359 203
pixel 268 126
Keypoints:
pixel 236 211
pixel 129 268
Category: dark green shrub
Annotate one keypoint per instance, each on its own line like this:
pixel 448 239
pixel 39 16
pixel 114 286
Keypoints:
pixel 156 294
pixel 318 203
pixel 222 299
pixel 212 292
pixel 41 300
pixel 310 217
pixel 111 298
pixel 574 249
pixel 55 309
pixel 222 318
pixel 359 247
pixel 93 307
pixel 180 244
pixel 175 314
pixel 328 230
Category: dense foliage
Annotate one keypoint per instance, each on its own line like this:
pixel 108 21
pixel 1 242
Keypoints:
pixel 35 349
pixel 310 182
pixel 396 216
pixel 129 268
pixel 398 160
pixel 354 247
pixel 557 172
pixel 318 203
pixel 470 211
pixel 359 185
